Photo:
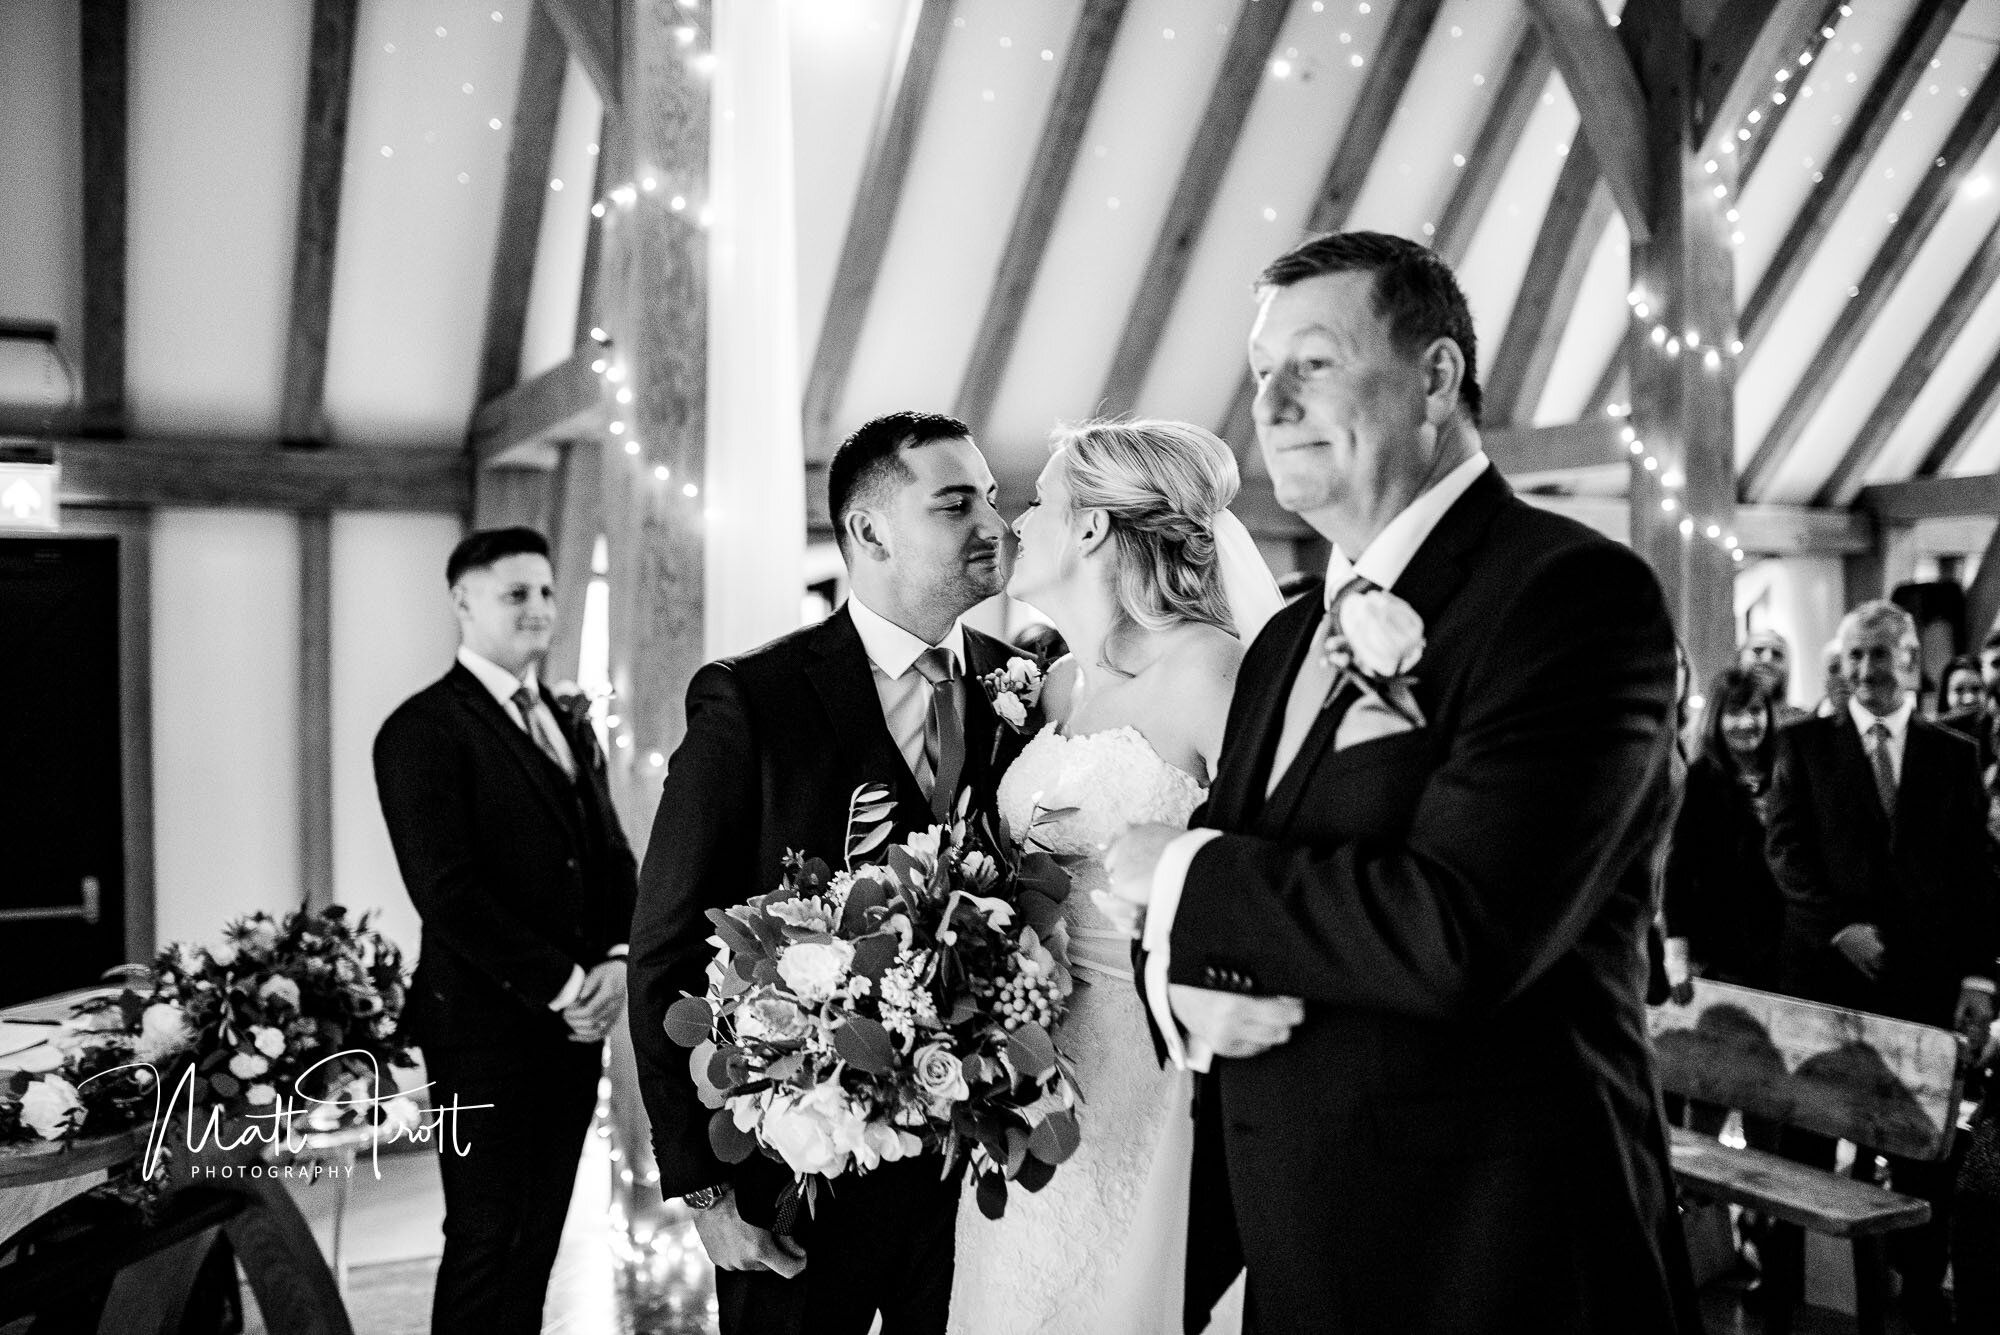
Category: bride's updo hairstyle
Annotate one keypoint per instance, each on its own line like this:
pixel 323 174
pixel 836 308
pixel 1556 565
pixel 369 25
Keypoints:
pixel 1162 484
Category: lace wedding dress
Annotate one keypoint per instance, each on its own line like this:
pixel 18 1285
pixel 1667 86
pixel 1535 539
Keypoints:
pixel 1101 1248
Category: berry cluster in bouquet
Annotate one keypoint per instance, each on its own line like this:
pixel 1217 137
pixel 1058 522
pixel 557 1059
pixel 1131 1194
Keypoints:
pixel 899 1006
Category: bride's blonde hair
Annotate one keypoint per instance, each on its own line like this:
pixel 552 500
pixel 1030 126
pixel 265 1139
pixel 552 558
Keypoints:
pixel 1161 484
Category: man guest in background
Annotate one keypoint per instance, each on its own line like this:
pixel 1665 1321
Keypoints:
pixel 1769 655
pixel 1877 840
pixel 495 798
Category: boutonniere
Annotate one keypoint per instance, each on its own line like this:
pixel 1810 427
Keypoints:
pixel 575 704
pixel 1015 691
pixel 1376 641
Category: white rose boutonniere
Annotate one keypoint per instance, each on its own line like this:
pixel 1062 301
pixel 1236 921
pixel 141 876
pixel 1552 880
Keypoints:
pixel 1015 691
pixel 1376 642
pixel 50 1107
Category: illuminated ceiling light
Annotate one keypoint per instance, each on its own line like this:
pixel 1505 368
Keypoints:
pixel 597 209
pixel 690 491
pixel 661 472
pixel 631 447
pixel 1711 166
pixel 1713 532
pixel 1694 338
pixel 1711 359
pixel 1652 464
pixel 1638 447
pixel 1687 528
pixel 1659 335
pixel 1281 69
pixel 1670 505
pixel 1642 310
pixel 597 367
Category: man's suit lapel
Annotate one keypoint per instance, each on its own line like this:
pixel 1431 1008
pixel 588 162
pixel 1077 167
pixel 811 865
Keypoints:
pixel 546 777
pixel 1239 787
pixel 845 682
pixel 984 735
pixel 1856 775
pixel 1436 572
pixel 1921 764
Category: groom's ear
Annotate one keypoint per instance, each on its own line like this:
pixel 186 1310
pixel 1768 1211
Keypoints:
pixel 865 537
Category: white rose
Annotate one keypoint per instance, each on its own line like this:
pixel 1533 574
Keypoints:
pixel 163 1032
pixel 268 1041
pixel 281 990
pixel 1009 707
pixel 815 970
pixel 773 1019
pixel 940 1074
pixel 1385 633
pixel 247 1066
pixel 224 954
pixel 814 1132
pixel 51 1107
pixel 260 1095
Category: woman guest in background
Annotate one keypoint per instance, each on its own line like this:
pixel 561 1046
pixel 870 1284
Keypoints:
pixel 1963 688
pixel 1724 912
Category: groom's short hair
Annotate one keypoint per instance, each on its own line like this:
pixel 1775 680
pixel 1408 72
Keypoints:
pixel 489 546
pixel 870 461
pixel 1415 292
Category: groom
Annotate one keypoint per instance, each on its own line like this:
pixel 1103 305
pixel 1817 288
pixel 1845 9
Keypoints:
pixel 885 691
pixel 1411 941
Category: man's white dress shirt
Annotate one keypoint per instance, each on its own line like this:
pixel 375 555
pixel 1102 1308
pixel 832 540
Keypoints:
pixel 904 692
pixel 1381 565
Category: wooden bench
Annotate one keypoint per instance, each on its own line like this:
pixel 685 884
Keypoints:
pixel 1888 1085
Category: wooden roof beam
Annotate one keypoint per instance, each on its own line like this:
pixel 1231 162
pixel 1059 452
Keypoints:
pixel 322 167
pixel 1216 135
pixel 893 145
pixel 1965 423
pixel 1770 115
pixel 1932 498
pixel 1969 137
pixel 1742 49
pixel 131 473
pixel 565 402
pixel 589 30
pixel 1845 167
pixel 105 29
pixel 1514 102
pixel 1403 39
pixel 1578 213
pixel 537 105
pixel 1982 600
pixel 1041 200
pixel 1606 90
pixel 1974 282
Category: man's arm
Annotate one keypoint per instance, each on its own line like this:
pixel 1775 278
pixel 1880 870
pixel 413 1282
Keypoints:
pixel 702 854
pixel 427 804
pixel 1552 782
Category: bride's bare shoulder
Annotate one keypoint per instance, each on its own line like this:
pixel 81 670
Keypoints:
pixel 1058 686
pixel 1202 656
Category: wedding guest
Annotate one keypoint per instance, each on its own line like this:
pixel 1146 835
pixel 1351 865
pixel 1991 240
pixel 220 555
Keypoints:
pixel 1877 841
pixel 494 793
pixel 1833 699
pixel 1964 691
pixel 1769 655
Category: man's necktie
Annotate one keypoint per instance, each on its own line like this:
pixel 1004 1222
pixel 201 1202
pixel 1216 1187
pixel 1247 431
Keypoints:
pixel 944 732
pixel 1309 690
pixel 1885 773
pixel 524 700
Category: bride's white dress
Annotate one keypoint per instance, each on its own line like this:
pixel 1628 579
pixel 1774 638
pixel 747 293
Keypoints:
pixel 1101 1248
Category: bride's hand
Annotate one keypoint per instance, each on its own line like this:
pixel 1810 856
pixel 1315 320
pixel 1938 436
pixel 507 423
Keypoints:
pixel 1132 858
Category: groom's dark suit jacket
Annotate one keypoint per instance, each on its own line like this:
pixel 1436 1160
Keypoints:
pixel 777 741
pixel 1464 1133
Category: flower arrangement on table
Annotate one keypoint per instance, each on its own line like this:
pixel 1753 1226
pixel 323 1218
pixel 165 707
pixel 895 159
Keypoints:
pixel 859 1017
pixel 307 1007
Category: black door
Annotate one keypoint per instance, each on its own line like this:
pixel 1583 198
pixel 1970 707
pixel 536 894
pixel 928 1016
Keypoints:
pixel 62 859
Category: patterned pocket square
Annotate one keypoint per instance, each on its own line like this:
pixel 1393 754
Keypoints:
pixel 1367 720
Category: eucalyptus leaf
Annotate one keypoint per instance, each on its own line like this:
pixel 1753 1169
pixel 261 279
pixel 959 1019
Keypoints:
pixel 730 1144
pixel 689 1021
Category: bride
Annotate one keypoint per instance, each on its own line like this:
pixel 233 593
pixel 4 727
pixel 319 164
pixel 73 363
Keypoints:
pixel 1124 550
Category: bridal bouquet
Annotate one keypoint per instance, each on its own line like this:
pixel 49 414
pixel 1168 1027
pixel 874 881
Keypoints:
pixel 305 1008
pixel 859 1017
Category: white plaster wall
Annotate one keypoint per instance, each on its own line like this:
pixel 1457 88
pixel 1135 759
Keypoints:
pixel 225 718
pixel 393 634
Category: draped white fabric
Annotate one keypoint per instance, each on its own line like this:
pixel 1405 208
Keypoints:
pixel 755 500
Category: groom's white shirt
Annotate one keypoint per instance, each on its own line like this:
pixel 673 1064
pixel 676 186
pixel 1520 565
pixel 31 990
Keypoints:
pixel 1381 565
pixel 905 695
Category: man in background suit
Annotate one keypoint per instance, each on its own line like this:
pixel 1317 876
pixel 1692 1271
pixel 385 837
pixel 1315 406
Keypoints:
pixel 1454 1128
pixel 885 691
pixel 1878 841
pixel 496 802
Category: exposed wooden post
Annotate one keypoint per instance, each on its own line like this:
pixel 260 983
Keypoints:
pixel 1607 91
pixel 1893 561
pixel 316 709
pixel 105 27
pixel 322 165
pixel 655 291
pixel 1982 600
pixel 1683 387
pixel 590 30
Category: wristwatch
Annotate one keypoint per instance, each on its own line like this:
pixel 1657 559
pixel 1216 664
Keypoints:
pixel 706 1198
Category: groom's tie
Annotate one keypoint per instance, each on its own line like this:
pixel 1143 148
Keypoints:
pixel 1309 689
pixel 944 731
pixel 524 700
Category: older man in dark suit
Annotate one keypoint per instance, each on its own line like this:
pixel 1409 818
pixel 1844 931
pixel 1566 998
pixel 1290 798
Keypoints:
pixel 496 802
pixel 1432 825
pixel 1877 839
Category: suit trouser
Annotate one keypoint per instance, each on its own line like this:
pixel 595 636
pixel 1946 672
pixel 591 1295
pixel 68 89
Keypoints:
pixel 886 1243
pixel 506 1198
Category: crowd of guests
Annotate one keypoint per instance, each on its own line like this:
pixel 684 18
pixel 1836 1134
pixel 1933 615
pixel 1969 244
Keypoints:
pixel 1849 855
